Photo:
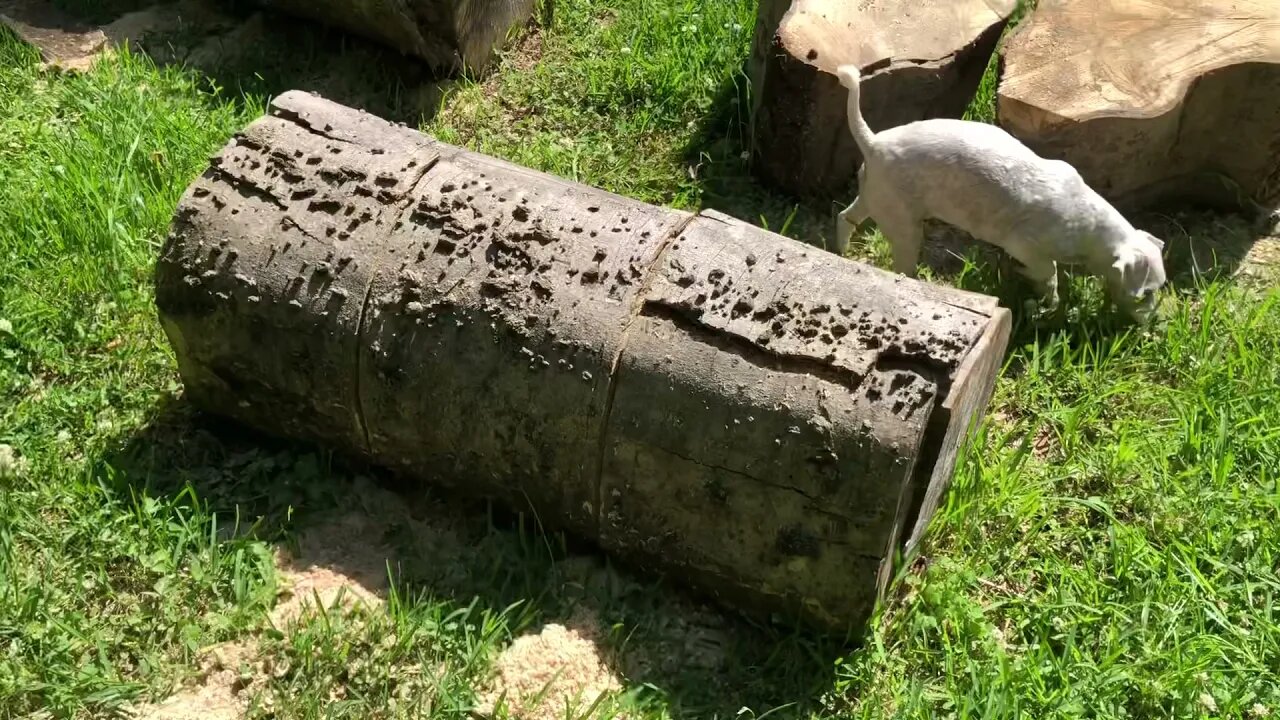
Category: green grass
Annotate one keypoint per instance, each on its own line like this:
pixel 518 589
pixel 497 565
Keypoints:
pixel 619 94
pixel 983 106
pixel 1109 549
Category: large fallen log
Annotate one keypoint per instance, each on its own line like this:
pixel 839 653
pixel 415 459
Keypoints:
pixel 451 35
pixel 762 419
pixel 921 59
pixel 1152 101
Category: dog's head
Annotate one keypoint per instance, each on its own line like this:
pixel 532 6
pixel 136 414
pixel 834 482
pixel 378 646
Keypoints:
pixel 1138 274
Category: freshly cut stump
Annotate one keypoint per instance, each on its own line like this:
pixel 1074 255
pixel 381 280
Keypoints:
pixel 1152 101
pixel 919 60
pixel 755 416
pixel 451 35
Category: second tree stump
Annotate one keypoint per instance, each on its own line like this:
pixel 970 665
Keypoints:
pixel 921 59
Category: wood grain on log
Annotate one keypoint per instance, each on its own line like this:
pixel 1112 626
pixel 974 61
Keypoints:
pixel 1152 101
pixel 451 35
pixel 694 393
pixel 922 59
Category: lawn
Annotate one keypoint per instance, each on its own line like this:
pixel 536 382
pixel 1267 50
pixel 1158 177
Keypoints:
pixel 1110 547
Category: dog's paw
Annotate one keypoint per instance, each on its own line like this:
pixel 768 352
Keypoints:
pixel 1039 310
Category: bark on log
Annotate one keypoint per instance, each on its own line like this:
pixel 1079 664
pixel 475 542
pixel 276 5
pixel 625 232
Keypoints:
pixel 760 418
pixel 1152 101
pixel 451 35
pixel 921 59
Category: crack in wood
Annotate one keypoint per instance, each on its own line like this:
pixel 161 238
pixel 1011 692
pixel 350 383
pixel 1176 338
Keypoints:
pixel 615 367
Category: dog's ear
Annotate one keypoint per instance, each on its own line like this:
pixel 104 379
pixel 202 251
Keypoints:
pixel 1158 242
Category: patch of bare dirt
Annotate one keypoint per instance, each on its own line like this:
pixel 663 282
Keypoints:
pixel 339 562
pixel 235 47
pixel 565 666
pixel 681 637
pixel 66 43
pixel 526 52
pixel 228 676
pixel 555 673
pixel 165 30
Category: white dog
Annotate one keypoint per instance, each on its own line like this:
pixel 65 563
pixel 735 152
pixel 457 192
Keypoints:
pixel 982 180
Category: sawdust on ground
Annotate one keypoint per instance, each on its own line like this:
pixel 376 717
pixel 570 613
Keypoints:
pixel 339 563
pixel 228 674
pixel 555 673
pixel 344 562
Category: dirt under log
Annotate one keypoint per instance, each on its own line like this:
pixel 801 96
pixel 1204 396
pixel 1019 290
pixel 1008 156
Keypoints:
pixel 1153 102
pixel 748 413
pixel 920 60
pixel 451 35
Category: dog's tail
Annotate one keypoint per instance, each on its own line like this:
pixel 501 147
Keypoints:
pixel 850 77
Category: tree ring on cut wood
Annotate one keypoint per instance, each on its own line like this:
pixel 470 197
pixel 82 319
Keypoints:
pixel 1152 101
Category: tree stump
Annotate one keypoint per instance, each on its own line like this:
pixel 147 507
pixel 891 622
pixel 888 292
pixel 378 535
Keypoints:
pixel 451 35
pixel 1152 101
pixel 920 59
pixel 762 419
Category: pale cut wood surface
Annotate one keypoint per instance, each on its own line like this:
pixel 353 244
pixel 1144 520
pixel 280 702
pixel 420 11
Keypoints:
pixel 1152 99
pixel 867 33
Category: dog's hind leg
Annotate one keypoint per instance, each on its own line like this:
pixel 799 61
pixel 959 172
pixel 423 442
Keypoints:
pixel 906 236
pixel 847 221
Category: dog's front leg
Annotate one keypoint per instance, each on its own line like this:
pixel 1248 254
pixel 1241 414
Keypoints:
pixel 1043 274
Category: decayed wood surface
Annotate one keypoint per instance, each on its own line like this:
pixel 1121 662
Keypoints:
pixel 921 59
pixel 694 393
pixel 1152 101
pixel 449 34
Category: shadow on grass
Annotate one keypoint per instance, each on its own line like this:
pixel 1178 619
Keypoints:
pixel 721 168
pixel 244 51
pixel 694 659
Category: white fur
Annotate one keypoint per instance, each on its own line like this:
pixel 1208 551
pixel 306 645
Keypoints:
pixel 982 180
